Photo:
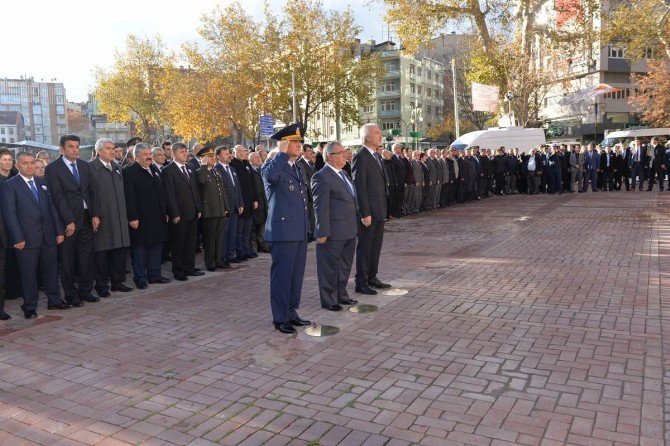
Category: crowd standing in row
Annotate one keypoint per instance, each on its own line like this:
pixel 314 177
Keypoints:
pixel 163 203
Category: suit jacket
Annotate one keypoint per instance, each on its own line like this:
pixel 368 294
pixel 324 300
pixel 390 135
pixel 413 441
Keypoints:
pixel 181 193
pixel 318 161
pixel 603 162
pixel 417 173
pixel 4 240
pixel 308 171
pixel 595 160
pixel 409 171
pixel 335 206
pixel 145 201
pixel 243 169
pixel 69 194
pixel 659 157
pixel 27 219
pixel 108 203
pixel 370 181
pixel 233 191
pixel 260 214
pixel 399 170
pixel 212 191
pixel 287 201
pixel 194 164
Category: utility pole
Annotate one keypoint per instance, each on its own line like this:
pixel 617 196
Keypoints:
pixel 295 100
pixel 453 81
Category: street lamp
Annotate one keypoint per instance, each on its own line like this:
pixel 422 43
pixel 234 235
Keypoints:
pixel 416 115
pixel 596 108
pixel 509 96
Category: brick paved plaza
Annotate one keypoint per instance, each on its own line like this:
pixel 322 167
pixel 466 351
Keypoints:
pixel 529 321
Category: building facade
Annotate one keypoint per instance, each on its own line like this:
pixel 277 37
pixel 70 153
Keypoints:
pixel 409 97
pixel 42 105
pixel 12 129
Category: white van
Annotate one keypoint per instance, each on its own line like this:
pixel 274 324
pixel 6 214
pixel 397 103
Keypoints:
pixel 508 137
pixel 643 135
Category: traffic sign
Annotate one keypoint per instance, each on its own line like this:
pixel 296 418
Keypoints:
pixel 267 125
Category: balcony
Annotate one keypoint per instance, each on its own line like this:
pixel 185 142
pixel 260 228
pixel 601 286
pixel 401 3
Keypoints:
pixel 388 94
pixel 391 74
pixel 389 113
pixel 387 54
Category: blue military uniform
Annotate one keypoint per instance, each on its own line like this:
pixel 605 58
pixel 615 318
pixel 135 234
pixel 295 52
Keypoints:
pixel 286 231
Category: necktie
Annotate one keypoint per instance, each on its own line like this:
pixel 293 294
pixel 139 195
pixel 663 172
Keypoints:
pixel 230 174
pixel 109 167
pixel 346 181
pixel 183 169
pixel 295 170
pixel 33 189
pixel 75 172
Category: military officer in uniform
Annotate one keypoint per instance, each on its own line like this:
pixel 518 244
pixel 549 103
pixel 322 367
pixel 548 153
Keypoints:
pixel 215 208
pixel 286 228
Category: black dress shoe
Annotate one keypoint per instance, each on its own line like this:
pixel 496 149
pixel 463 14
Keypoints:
pixel 30 315
pixel 121 287
pixel 77 304
pixel 211 268
pixel 4 316
pixel 285 328
pixel 90 298
pixel 160 280
pixel 142 286
pixel 104 293
pixel 180 278
pixel 335 307
pixel 300 322
pixel 195 273
pixel 62 305
pixel 349 302
pixel 224 266
pixel 365 289
pixel 235 261
pixel 374 282
pixel 253 256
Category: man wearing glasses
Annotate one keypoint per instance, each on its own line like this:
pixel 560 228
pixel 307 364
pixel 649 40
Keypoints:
pixel 336 227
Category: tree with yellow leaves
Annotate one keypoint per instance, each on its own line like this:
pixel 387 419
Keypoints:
pixel 128 91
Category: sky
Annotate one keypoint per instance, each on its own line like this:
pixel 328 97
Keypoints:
pixel 66 40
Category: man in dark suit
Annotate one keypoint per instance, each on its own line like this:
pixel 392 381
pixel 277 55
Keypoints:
pixel 34 230
pixel 215 209
pixel 371 193
pixel 260 214
pixel 183 208
pixel 319 162
pixel 336 228
pixel 286 228
pixel 400 175
pixel 657 164
pixel 244 222
pixel 70 180
pixel 109 221
pixel 235 201
pixel 308 171
pixel 4 247
pixel 147 217
pixel 194 163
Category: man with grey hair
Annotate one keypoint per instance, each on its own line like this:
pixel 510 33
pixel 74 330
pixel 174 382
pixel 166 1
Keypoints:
pixel 336 226
pixel 372 192
pixel 158 157
pixel 109 221
pixel 146 210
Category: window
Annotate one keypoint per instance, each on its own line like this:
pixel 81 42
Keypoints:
pixel 388 106
pixel 2 131
pixel 391 66
pixel 411 104
pixel 368 109
pixel 437 94
pixel 60 110
pixel 38 129
pixel 388 125
pixel 419 89
pixel 412 88
pixel 411 70
pixel 428 109
pixel 11 140
pixel 429 92
pixel 4 140
pixel 418 72
pixel 37 110
pixel 11 130
pixel 387 86
pixel 614 52
pixel 429 75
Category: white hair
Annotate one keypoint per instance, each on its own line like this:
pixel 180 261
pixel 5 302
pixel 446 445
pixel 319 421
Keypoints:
pixel 365 131
pixel 139 147
pixel 101 142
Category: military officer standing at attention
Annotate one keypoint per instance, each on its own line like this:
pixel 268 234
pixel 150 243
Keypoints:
pixel 286 228
pixel 215 208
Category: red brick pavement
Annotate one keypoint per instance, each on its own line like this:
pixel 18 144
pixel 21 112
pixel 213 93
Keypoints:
pixel 529 321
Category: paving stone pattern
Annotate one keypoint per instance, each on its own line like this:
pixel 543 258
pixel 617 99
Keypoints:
pixel 529 321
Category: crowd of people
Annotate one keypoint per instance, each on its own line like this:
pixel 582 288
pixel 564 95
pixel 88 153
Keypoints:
pixel 81 221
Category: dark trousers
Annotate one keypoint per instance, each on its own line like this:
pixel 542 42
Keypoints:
pixel 3 278
pixel 258 242
pixel 608 179
pixel 653 175
pixel 590 176
pixel 146 262
pixel 42 260
pixel 230 237
pixel 333 267
pixel 243 239
pixel 213 233
pixel 554 181
pixel 398 200
pixel 368 250
pixel 183 236
pixel 109 266
pixel 533 182
pixel 76 259
pixel 286 275
pixel 637 172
